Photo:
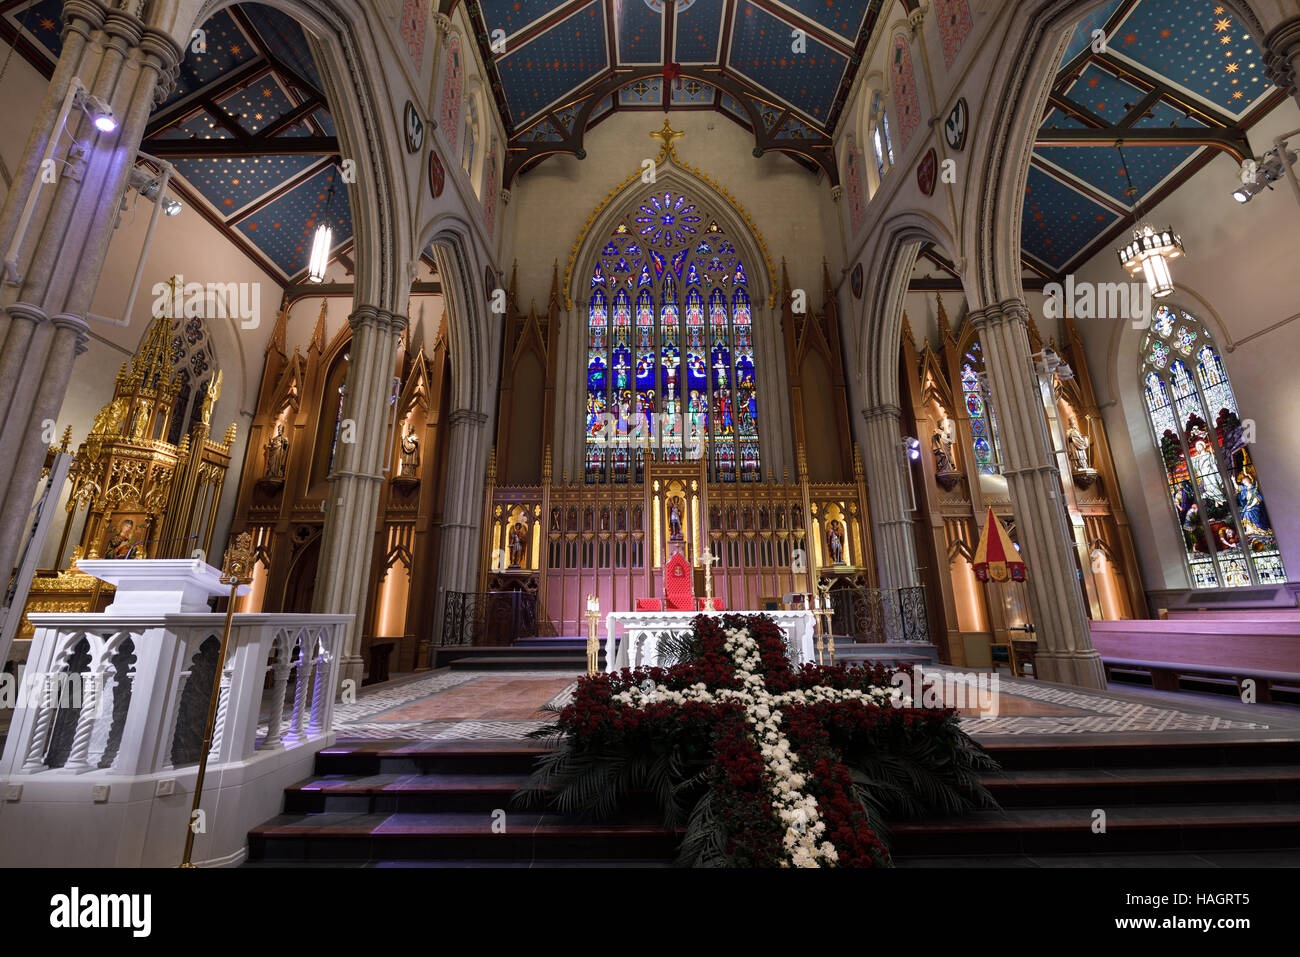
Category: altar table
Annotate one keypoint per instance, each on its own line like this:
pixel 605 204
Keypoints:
pixel 638 646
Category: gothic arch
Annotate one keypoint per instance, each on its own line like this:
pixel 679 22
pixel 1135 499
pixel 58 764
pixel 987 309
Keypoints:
pixel 1004 142
pixel 340 38
pixel 773 417
pixel 890 257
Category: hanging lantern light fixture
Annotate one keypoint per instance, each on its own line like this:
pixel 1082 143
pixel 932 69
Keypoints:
pixel 1151 250
pixel 322 244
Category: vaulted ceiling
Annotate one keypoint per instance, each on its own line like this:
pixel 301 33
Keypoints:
pixel 247 128
pixel 1177 82
pixel 782 70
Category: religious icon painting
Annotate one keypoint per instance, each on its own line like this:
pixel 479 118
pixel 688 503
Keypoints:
pixel 954 128
pixel 437 175
pixel 927 172
pixel 414 128
pixel 855 280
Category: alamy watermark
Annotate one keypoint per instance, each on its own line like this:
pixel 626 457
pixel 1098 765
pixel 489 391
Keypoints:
pixel 1122 301
pixel 965 690
pixel 215 300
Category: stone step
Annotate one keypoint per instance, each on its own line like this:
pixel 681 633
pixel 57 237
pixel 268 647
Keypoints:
pixel 577 664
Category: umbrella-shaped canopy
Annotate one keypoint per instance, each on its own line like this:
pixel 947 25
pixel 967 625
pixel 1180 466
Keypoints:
pixel 996 558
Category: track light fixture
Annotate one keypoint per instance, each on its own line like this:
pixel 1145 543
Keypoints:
pixel 1259 175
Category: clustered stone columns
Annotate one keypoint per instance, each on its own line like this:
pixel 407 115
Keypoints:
pixel 348 541
pixel 889 496
pixel 43 315
pixel 1065 653
pixel 468 437
pixel 1283 55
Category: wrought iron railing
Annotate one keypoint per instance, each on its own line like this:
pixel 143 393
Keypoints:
pixel 488 618
pixel 881 615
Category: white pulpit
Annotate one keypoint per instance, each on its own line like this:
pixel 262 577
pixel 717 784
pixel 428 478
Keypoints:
pixel 158 586
pixel 638 645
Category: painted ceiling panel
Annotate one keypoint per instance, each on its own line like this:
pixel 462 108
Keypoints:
pixel 286 37
pixel 1104 93
pixel 257 105
pixel 227 47
pixel 42 22
pixel 1100 168
pixel 547 68
pixel 284 228
pixel 230 183
pixel 199 126
pixel 692 93
pixel 698 32
pixel 640 33
pixel 1081 39
pixel 1199 45
pixel 513 15
pixel 761 51
pixel 1058 220
pixel 841 16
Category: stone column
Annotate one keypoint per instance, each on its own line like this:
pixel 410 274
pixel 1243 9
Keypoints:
pixel 1065 651
pixel 890 497
pixel 1282 55
pixel 343 582
pixel 468 438
pixel 58 263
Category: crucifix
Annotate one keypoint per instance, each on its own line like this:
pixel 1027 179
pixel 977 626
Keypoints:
pixel 708 561
pixel 722 372
pixel 621 368
pixel 666 137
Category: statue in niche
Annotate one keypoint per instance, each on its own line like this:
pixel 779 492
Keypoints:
pixel 942 441
pixel 109 419
pixel 556 520
pixel 1079 445
pixel 518 543
pixel 835 542
pixel 675 519
pixel 410 449
pixel 276 452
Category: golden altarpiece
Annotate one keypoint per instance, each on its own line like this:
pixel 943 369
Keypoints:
pixel 134 493
pixel 959 476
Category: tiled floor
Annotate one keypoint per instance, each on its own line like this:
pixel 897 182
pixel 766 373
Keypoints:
pixel 464 705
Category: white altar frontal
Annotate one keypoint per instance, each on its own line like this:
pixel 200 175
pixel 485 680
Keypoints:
pixel 638 645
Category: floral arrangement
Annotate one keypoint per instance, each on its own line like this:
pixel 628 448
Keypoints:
pixel 769 765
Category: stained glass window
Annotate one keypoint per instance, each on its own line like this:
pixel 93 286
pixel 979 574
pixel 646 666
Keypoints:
pixel 671 372
pixel 1204 446
pixel 195 361
pixel 983 426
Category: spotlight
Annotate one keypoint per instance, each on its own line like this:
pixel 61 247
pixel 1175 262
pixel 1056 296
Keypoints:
pixel 1268 169
pixel 151 188
pixel 100 113
pixel 912 446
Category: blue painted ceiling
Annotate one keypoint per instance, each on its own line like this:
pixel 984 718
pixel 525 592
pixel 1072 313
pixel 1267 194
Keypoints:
pixel 1208 74
pixel 555 53
pixel 256 69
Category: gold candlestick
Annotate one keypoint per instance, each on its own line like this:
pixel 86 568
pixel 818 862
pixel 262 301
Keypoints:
pixel 593 646
pixel 237 570
pixel 825 612
pixel 708 561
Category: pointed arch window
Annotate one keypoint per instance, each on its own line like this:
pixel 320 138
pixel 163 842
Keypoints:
pixel 979 408
pixel 670 348
pixel 195 360
pixel 1228 538
pixel 880 135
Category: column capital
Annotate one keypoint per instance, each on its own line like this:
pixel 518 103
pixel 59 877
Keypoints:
pixel 29 311
pixel 1009 310
pixel 915 18
pixel 443 24
pixel 1281 52
pixel 837 193
pixel 124 25
pixel 364 316
pixel 505 197
pixel 466 417
pixel 77 325
pixel 882 412
pixel 82 16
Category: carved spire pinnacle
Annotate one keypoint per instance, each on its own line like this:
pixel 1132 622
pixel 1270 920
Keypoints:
pixel 318 333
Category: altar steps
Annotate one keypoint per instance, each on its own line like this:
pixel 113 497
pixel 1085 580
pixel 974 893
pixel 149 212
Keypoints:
pixel 1181 804
pixel 557 654
pixel 432 805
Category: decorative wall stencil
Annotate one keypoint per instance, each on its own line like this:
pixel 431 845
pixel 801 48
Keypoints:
pixel 902 79
pixel 956 126
pixel 927 172
pixel 491 192
pixel 437 175
pixel 413 126
pixel 954 26
pixel 855 281
pixel 453 83
pixel 415 20
pixel 853 181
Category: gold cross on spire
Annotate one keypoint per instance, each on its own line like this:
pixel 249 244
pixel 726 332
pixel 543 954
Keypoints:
pixel 666 137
